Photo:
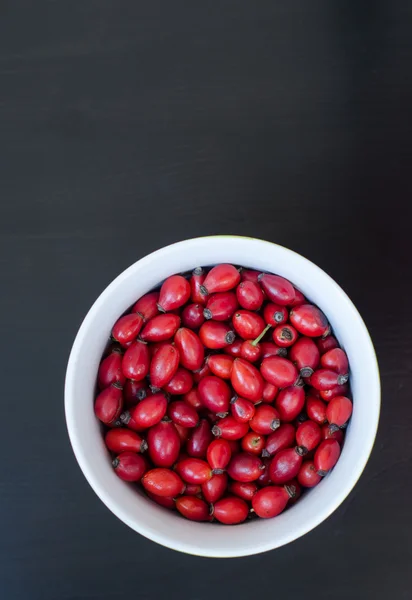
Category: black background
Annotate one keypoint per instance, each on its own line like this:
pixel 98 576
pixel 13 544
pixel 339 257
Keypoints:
pixel 125 126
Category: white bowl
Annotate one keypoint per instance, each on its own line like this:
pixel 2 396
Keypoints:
pixel 168 528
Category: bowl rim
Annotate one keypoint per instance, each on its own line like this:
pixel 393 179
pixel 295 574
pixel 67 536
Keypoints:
pixel 113 506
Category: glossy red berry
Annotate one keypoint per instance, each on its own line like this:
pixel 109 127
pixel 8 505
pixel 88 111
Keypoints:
pixel 165 501
pixel 183 414
pixel 324 379
pixel 338 390
pixel 193 489
pixel 308 476
pixel 194 470
pixel 230 429
pixel 249 275
pixel 335 360
pixel 299 298
pixel 184 433
pixel 243 490
pixel 215 335
pixel 253 442
pixel 174 293
pixel 220 365
pixel 230 510
pixel 129 466
pixel 309 320
pixel 199 441
pixel 108 404
pixel 164 444
pixel 221 278
pixel 316 410
pixel 284 335
pixel 248 325
pixel 160 328
pixel 271 349
pixel 196 281
pixel 147 306
pixel 327 343
pixel 279 371
pixel 192 398
pixel 134 391
pixel 246 380
pixel 270 392
pixel 214 394
pixel 308 436
pixel 218 454
pixel 329 432
pixel 339 410
pixel 274 314
pixel 215 488
pixel 234 349
pixel 192 316
pixel 136 360
pixel 193 508
pixel 277 289
pixel 265 420
pixel 249 295
pixel 270 501
pixel 250 351
pixel 221 306
pixel 285 465
pixel 127 328
pixel 326 456
pixel 150 411
pixel 124 440
pixel 110 370
pixel 241 409
pixel 164 365
pixel 163 482
pixel 290 402
pixel 264 478
pixel 190 348
pixel 245 467
pixel 181 383
pixel 283 437
pixel 305 355
pixel 204 371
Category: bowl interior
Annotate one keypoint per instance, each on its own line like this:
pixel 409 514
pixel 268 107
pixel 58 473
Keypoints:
pixel 125 500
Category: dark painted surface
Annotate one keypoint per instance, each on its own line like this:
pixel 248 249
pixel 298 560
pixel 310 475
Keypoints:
pixel 126 126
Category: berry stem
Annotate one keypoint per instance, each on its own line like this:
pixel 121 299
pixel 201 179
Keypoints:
pixel 259 337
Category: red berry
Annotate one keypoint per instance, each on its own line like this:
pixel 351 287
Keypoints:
pixel 338 390
pixel 285 465
pixel 279 371
pixel 163 482
pixel 234 349
pixel 196 282
pixel 219 454
pixel 193 399
pixel 246 380
pixel 230 429
pixel 193 508
pixel 174 293
pixel 164 365
pixel 108 404
pixel 220 365
pixel 307 476
pixel 265 420
pixel 250 351
pixel 183 414
pixel 290 402
pixel 299 298
pixel 147 306
pixel 136 361
pixel 127 328
pixel 214 394
pixel 327 343
pixel 150 411
pixel 192 316
pixel 160 328
pixel 339 410
pixel 202 372
pixel 271 349
pixel 249 275
pixel 164 444
pixel 270 501
pixel 335 360
pixel 134 391
pixel 193 489
pixel 242 410
pixel 221 306
pixel 305 354
pixel 199 440
pixel 326 456
pixel 124 440
pixel 129 466
pixel 245 467
pixel 243 490
pixel 181 383
pixel 194 470
pixel 110 370
pixel 309 320
pixel 183 432
pixel 215 488
pixel 277 289
pixel 249 295
pixel 264 478
pixel 166 501
pixel 230 510
pixel 323 379
pixel 329 432
pixel 274 314
pixel 190 348
pixel 248 325
pixel 316 410
pixel 283 437
pixel 269 392
pixel 253 442
pixel 215 335
pixel 221 278
pixel 285 335
pixel 308 436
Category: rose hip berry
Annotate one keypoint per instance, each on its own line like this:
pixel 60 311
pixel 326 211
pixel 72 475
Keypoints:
pixel 183 414
pixel 324 379
pixel 246 380
pixel 190 348
pixel 305 355
pixel 283 437
pixel 196 281
pixel 221 278
pixel 199 440
pixel 193 508
pixel 192 316
pixel 309 320
pixel 290 402
pixel 160 328
pixel 136 361
pixel 254 442
pixel 308 476
pixel 245 467
pixel 127 328
pixel 279 371
pixel 164 365
pixel 163 444
pixel 308 436
pixel 220 307
pixel 339 411
pixel 246 491
pixel 124 440
pixel 163 482
pixel 248 325
pixel 285 465
pixel 249 295
pixel 326 456
pixel 129 466
pixel 277 289
pixel 215 335
pixel 242 410
pixel 214 394
pixel 230 429
pixel 220 365
pixel 110 370
pixel 218 454
pixel 270 501
pixel 230 510
pixel 109 403
pixel 215 488
pixel 174 293
pixel 285 335
pixel 181 383
pixel 194 470
pixel 265 420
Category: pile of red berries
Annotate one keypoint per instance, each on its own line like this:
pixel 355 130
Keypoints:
pixel 223 393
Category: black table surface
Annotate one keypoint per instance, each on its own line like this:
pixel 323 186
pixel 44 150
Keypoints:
pixel 126 126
